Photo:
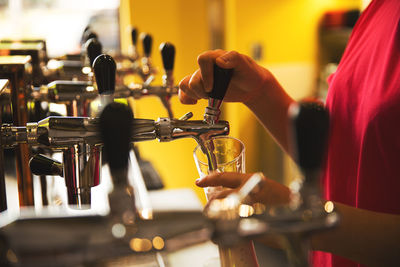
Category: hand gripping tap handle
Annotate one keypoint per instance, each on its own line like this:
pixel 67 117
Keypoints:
pixel 222 77
pixel 104 68
pixel 310 130
pixel 93 49
pixel 116 127
pixel 147 42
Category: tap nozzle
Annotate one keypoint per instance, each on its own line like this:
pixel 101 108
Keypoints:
pixel 170 129
pixel 221 81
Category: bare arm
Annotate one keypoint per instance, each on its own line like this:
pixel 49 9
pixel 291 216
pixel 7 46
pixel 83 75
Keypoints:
pixel 367 237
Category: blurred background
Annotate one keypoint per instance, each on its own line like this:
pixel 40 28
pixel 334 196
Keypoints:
pixel 300 41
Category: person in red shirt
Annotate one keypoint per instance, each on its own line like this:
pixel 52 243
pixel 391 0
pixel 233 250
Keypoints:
pixel 360 174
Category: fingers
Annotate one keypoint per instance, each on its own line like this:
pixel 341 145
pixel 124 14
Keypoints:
pixel 206 63
pixel 196 87
pixel 191 88
pixel 185 99
pixel 184 92
pixel 219 195
pixel 225 179
pixel 229 60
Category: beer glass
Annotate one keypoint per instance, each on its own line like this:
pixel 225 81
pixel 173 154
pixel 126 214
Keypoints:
pixel 230 155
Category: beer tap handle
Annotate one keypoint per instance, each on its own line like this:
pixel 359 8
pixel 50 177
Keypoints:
pixel 93 49
pixel 42 165
pixel 222 77
pixel 168 56
pixel 310 128
pixel 147 42
pixel 104 70
pixel 134 35
pixel 116 128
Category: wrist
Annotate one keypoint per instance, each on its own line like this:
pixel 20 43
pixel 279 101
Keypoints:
pixel 258 94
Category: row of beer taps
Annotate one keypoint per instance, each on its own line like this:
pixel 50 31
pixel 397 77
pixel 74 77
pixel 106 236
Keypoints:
pixel 94 121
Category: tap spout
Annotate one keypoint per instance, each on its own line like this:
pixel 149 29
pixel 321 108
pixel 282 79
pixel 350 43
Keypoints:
pixel 170 129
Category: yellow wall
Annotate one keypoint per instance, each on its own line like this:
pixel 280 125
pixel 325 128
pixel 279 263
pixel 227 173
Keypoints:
pixel 287 30
pixel 183 23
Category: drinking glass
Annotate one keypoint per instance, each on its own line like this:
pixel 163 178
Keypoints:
pixel 230 156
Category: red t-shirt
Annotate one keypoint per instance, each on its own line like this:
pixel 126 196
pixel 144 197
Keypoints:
pixel 363 162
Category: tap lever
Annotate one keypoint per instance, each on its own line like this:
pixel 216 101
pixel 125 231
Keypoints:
pixel 186 116
pixel 310 128
pixel 168 55
pixel 134 34
pixel 104 68
pixel 42 165
pixel 147 42
pixel 116 126
pixel 93 49
pixel 222 77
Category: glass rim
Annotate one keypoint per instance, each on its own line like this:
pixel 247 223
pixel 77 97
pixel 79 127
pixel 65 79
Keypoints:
pixel 221 137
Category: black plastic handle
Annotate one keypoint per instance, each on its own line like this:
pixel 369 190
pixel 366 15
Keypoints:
pixel 88 34
pixel 222 77
pixel 310 130
pixel 116 126
pixel 134 35
pixel 147 42
pixel 93 49
pixel 104 68
pixel 42 165
pixel 168 55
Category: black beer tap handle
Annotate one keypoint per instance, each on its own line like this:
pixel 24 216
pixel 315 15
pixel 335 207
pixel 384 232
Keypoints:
pixel 134 35
pixel 42 165
pixel 104 68
pixel 116 122
pixel 222 77
pixel 147 42
pixel 93 49
pixel 88 34
pixel 167 55
pixel 310 128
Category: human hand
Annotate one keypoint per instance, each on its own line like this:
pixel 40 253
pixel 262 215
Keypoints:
pixel 247 80
pixel 270 193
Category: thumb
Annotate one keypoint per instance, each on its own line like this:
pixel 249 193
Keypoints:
pixel 229 60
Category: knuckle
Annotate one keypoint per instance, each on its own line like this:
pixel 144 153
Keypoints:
pixel 202 58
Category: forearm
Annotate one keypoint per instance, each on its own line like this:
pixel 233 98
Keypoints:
pixel 367 237
pixel 270 105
